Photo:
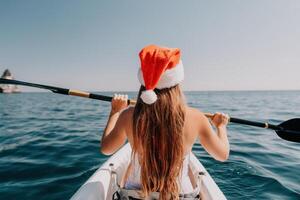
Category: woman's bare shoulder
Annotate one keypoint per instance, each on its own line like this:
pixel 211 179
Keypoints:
pixel 195 113
pixel 128 112
pixel 126 116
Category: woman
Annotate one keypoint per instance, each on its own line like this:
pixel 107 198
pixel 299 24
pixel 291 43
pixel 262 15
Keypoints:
pixel 161 128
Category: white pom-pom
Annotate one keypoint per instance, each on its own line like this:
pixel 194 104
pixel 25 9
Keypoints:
pixel 148 96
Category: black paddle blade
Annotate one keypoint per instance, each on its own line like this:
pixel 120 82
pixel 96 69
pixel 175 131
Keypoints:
pixel 290 130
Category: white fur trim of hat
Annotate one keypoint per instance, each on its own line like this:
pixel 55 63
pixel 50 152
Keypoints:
pixel 168 79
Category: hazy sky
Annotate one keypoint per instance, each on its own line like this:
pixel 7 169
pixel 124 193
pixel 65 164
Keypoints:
pixel 93 45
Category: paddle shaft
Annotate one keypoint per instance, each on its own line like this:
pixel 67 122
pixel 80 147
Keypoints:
pixel 248 122
pixel 107 98
pixel 59 90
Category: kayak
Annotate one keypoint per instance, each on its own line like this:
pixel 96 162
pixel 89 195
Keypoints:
pixel 99 185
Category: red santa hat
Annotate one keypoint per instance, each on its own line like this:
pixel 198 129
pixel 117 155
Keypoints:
pixel 161 68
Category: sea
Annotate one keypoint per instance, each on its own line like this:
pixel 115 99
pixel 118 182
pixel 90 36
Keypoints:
pixel 49 144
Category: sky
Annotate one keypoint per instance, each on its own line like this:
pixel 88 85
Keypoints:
pixel 93 45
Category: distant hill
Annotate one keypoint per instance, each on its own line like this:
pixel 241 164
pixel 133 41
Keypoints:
pixel 5 88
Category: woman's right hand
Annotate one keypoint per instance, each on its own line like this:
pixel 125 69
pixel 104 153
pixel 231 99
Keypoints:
pixel 220 120
pixel 118 103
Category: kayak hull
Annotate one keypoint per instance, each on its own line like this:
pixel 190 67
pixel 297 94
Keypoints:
pixel 97 187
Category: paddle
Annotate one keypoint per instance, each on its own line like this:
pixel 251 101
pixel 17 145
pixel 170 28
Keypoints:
pixel 288 130
pixel 61 90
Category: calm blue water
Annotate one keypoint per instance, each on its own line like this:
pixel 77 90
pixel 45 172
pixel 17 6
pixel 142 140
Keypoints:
pixel 49 144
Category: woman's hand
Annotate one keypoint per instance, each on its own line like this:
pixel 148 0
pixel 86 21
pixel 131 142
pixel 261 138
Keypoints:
pixel 220 120
pixel 118 103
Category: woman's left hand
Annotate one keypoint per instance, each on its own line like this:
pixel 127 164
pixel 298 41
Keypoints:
pixel 118 103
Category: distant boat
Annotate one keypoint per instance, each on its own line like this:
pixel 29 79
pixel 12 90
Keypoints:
pixel 6 88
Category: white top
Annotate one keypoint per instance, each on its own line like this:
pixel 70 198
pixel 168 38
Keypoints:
pixel 133 180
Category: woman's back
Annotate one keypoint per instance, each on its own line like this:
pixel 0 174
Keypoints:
pixel 191 127
pixel 190 132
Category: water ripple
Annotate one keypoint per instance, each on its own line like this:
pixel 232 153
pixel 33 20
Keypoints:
pixel 50 144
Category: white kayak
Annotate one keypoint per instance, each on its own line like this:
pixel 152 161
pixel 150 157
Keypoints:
pixel 98 186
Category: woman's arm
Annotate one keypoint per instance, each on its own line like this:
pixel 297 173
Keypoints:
pixel 114 135
pixel 216 144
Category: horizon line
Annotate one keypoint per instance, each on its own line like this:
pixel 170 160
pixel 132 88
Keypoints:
pixel 230 90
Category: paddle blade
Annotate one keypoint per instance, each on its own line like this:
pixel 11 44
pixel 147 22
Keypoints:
pixel 290 130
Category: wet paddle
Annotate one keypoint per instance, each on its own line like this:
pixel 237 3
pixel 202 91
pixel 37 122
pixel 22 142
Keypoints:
pixel 288 130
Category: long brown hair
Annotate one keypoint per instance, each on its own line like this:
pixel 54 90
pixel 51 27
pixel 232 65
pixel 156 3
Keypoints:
pixel 158 141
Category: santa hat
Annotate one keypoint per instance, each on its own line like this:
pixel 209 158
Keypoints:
pixel 161 68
